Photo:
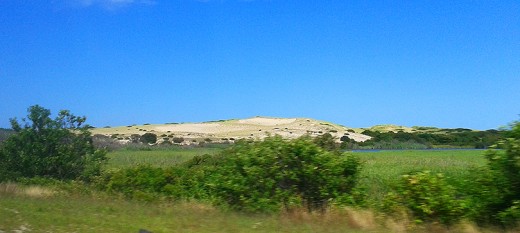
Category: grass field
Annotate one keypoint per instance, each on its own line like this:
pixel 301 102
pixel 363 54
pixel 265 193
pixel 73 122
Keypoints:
pixel 160 158
pixel 33 210
pixel 21 212
pixel 382 169
pixel 24 212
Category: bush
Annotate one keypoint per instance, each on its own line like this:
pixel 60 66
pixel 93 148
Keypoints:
pixel 425 197
pixel 59 148
pixel 178 140
pixel 275 174
pixel 496 196
pixel 148 138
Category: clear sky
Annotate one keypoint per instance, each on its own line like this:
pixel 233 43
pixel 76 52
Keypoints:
pixel 357 63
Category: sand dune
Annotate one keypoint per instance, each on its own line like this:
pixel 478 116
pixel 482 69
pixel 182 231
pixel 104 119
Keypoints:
pixel 251 128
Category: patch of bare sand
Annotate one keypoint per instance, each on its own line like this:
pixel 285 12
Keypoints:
pixel 267 121
pixel 359 137
pixel 192 128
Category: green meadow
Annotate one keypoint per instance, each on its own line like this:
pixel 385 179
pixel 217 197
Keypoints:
pixel 383 168
pixel 380 169
pixel 86 214
pixel 161 157
pixel 38 209
pixel 35 209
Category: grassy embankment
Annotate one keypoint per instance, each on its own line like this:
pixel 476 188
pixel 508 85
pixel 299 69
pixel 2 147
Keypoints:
pixel 41 211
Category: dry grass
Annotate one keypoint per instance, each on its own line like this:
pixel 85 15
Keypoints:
pixel 336 220
pixel 361 219
pixel 8 188
pixel 37 191
pixel 13 189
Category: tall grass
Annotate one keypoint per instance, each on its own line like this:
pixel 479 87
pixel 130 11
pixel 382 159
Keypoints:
pixel 20 213
pixel 156 157
pixel 382 169
pixel 86 214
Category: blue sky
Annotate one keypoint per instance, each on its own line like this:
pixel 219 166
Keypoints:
pixel 357 63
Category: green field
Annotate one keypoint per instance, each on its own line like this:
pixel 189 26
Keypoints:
pixel 382 169
pixel 31 212
pixel 21 212
pixel 156 157
pixel 99 213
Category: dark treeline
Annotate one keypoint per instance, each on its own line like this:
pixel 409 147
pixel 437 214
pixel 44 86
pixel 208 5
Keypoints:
pixel 445 138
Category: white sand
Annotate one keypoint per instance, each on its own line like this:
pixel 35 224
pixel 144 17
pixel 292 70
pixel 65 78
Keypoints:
pixel 256 127
pixel 267 121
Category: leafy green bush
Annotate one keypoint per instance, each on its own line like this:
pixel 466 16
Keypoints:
pixel 496 196
pixel 276 173
pixel 59 148
pixel 426 197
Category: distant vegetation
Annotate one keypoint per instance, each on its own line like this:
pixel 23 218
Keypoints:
pixel 441 138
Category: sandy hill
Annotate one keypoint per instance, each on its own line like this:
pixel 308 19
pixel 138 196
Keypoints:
pixel 225 130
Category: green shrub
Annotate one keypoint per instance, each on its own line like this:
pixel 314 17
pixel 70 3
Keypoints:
pixel 276 173
pixel 496 192
pixel 59 148
pixel 425 197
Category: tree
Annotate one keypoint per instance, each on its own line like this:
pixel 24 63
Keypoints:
pixel 59 148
